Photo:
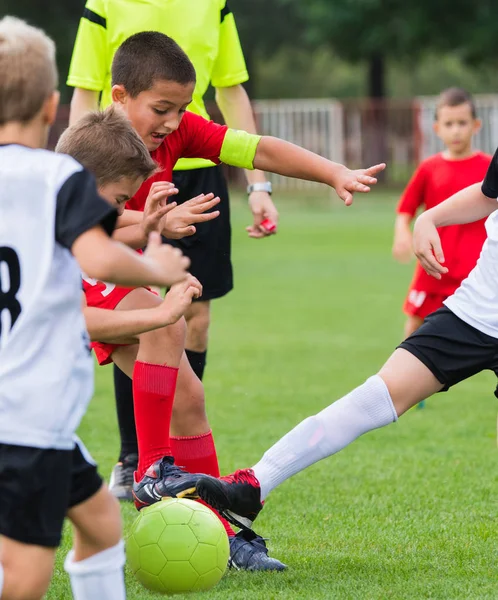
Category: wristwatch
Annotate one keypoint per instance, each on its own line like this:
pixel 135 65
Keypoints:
pixel 264 186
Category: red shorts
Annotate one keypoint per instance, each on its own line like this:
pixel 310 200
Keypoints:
pixel 104 295
pixel 420 304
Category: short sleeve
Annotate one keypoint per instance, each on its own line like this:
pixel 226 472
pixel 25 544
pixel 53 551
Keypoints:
pixel 200 138
pixel 88 69
pixel 490 184
pixel 413 196
pixel 229 67
pixel 79 208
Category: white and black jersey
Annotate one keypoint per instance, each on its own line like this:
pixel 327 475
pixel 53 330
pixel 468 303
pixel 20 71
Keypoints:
pixel 476 300
pixel 46 372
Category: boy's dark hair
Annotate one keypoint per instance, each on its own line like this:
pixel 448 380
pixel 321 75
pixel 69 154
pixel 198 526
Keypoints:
pixel 456 96
pixel 147 57
pixel 106 144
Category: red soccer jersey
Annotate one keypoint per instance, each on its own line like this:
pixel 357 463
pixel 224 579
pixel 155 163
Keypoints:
pixel 435 180
pixel 194 138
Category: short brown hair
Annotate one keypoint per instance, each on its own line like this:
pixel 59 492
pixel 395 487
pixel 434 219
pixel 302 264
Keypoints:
pixel 455 96
pixel 28 73
pixel 106 144
pixel 147 57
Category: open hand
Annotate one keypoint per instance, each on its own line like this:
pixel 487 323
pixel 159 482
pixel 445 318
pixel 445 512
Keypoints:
pixel 180 221
pixel 156 206
pixel 427 247
pixel 262 208
pixel 348 181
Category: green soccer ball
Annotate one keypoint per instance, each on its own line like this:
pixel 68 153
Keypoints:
pixel 177 546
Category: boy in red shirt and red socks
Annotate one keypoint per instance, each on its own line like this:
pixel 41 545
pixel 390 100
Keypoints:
pixel 436 179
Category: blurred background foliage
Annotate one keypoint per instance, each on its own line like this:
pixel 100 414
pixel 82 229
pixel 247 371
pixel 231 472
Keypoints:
pixel 335 48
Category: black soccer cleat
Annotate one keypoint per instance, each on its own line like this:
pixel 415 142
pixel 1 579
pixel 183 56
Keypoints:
pixel 163 479
pixel 121 482
pixel 248 552
pixel 237 496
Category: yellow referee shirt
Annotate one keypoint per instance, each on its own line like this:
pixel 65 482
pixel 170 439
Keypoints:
pixel 205 30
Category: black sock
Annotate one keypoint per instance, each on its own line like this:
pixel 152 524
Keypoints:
pixel 126 417
pixel 197 361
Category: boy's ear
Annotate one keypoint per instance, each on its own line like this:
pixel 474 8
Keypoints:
pixel 477 125
pixel 435 127
pixel 50 106
pixel 119 94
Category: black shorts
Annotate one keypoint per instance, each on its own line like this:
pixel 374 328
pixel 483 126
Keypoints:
pixel 38 486
pixel 209 249
pixel 452 349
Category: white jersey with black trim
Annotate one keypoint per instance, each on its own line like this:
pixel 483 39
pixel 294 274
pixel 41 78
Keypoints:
pixel 46 372
pixel 476 300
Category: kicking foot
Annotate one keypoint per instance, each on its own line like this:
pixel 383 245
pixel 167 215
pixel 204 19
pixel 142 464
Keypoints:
pixel 121 482
pixel 237 496
pixel 248 552
pixel 163 479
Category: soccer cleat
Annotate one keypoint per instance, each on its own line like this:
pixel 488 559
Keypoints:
pixel 248 552
pixel 237 497
pixel 121 482
pixel 163 479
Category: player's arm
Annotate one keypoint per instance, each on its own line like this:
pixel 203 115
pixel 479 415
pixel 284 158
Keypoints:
pixel 115 326
pixel 466 206
pixel 281 157
pixel 411 199
pixel 237 111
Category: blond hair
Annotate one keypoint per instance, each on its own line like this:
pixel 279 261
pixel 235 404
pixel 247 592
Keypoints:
pixel 106 144
pixel 28 73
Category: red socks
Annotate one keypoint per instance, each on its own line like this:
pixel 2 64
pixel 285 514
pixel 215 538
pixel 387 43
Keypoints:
pixel 197 454
pixel 153 394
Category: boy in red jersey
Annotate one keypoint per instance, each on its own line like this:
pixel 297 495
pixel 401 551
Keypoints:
pixel 153 81
pixel 436 179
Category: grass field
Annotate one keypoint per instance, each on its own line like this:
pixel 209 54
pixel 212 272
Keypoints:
pixel 408 512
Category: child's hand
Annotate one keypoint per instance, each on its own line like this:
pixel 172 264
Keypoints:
pixel 170 263
pixel 347 182
pixel 402 248
pixel 156 206
pixel 262 208
pixel 179 222
pixel 179 298
pixel 427 247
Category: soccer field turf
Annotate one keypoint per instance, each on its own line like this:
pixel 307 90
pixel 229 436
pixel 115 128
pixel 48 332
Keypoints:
pixel 407 512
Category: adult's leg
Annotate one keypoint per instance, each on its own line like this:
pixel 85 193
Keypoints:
pixel 198 319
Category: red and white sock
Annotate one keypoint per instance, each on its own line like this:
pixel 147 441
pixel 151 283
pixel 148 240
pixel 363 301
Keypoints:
pixel 154 389
pixel 197 454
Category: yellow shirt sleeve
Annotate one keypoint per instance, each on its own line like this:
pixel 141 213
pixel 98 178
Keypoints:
pixel 230 67
pixel 239 148
pixel 89 62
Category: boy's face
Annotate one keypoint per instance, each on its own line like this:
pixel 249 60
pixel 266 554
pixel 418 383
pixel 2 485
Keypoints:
pixel 455 126
pixel 117 193
pixel 157 112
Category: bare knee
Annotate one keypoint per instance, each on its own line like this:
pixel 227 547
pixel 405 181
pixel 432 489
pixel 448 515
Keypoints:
pixel 164 345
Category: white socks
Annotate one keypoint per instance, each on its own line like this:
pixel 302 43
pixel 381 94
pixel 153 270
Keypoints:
pixel 365 408
pixel 1 579
pixel 99 577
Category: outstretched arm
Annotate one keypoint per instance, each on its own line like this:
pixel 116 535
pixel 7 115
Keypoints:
pixel 284 158
pixel 82 102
